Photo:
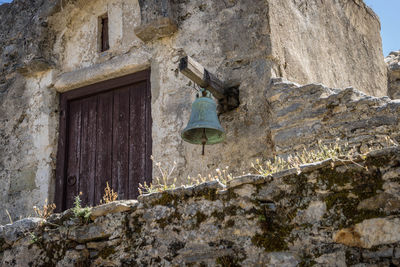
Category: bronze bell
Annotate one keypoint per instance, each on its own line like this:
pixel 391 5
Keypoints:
pixel 203 127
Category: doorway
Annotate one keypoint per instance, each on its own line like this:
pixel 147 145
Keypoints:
pixel 105 137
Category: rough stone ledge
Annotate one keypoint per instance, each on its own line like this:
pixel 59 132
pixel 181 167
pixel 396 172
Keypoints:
pixel 183 191
pixel 309 167
pixel 13 232
pixel 113 207
pixel 10 232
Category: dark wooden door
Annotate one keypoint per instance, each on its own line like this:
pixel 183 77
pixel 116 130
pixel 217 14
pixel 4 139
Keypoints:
pixel 105 136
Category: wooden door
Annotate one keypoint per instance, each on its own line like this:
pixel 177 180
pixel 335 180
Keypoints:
pixel 105 136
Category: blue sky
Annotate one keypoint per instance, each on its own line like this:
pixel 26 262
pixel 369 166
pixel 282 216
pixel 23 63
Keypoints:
pixel 388 12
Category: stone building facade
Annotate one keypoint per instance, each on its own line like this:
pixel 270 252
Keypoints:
pixel 49 48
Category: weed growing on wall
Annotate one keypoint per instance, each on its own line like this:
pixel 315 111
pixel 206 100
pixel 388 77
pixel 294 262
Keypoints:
pixel 9 216
pixel 323 152
pixel 109 195
pixel 335 151
pixel 45 211
pixel 79 211
pixel 168 182
pixel 165 182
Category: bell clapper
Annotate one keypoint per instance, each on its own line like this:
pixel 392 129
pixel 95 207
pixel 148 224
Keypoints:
pixel 203 140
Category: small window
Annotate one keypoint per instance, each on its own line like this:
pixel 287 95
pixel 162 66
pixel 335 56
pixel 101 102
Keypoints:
pixel 104 43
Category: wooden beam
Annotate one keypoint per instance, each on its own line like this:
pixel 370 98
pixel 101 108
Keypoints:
pixel 198 74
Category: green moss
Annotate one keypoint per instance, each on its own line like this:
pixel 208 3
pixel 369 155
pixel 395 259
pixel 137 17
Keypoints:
pixel 378 162
pixel 2 242
pixel 174 247
pixel 169 220
pixel 106 252
pixel 55 251
pixel 364 185
pixel 331 177
pixel 227 261
pixel 307 261
pixel 166 199
pixel 219 215
pixel 200 217
pixel 230 210
pixel 136 226
pixel 342 204
pixel 230 223
pixel 336 198
pixel 352 256
pixel 207 193
pixel 275 230
pixel 162 222
pixel 231 194
pixel 260 240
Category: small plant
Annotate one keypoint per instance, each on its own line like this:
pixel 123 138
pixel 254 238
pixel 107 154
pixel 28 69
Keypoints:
pixel 323 152
pixel 9 216
pixel 390 142
pixel 165 182
pixel 79 212
pixel 109 195
pixel 34 238
pixel 222 176
pixel 46 210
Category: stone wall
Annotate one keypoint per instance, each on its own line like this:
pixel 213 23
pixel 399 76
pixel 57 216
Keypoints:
pixel 28 110
pixel 393 64
pixel 52 47
pixel 301 116
pixel 331 213
pixel 317 41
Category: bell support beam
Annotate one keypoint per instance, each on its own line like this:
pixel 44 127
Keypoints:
pixel 228 98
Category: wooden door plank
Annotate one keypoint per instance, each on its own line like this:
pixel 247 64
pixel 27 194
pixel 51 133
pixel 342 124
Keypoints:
pixel 137 138
pixel 120 162
pixel 103 144
pixel 74 134
pixel 61 156
pixel 148 134
pixel 88 150
pixel 92 132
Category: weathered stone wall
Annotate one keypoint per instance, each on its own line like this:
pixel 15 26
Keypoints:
pixel 318 41
pixel 301 116
pixel 393 64
pixel 28 110
pixel 332 213
pixel 52 47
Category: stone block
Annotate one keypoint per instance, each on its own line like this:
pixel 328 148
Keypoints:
pixel 19 229
pixel 156 29
pixel 369 233
pixel 313 214
pixel 89 232
pixel 113 207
